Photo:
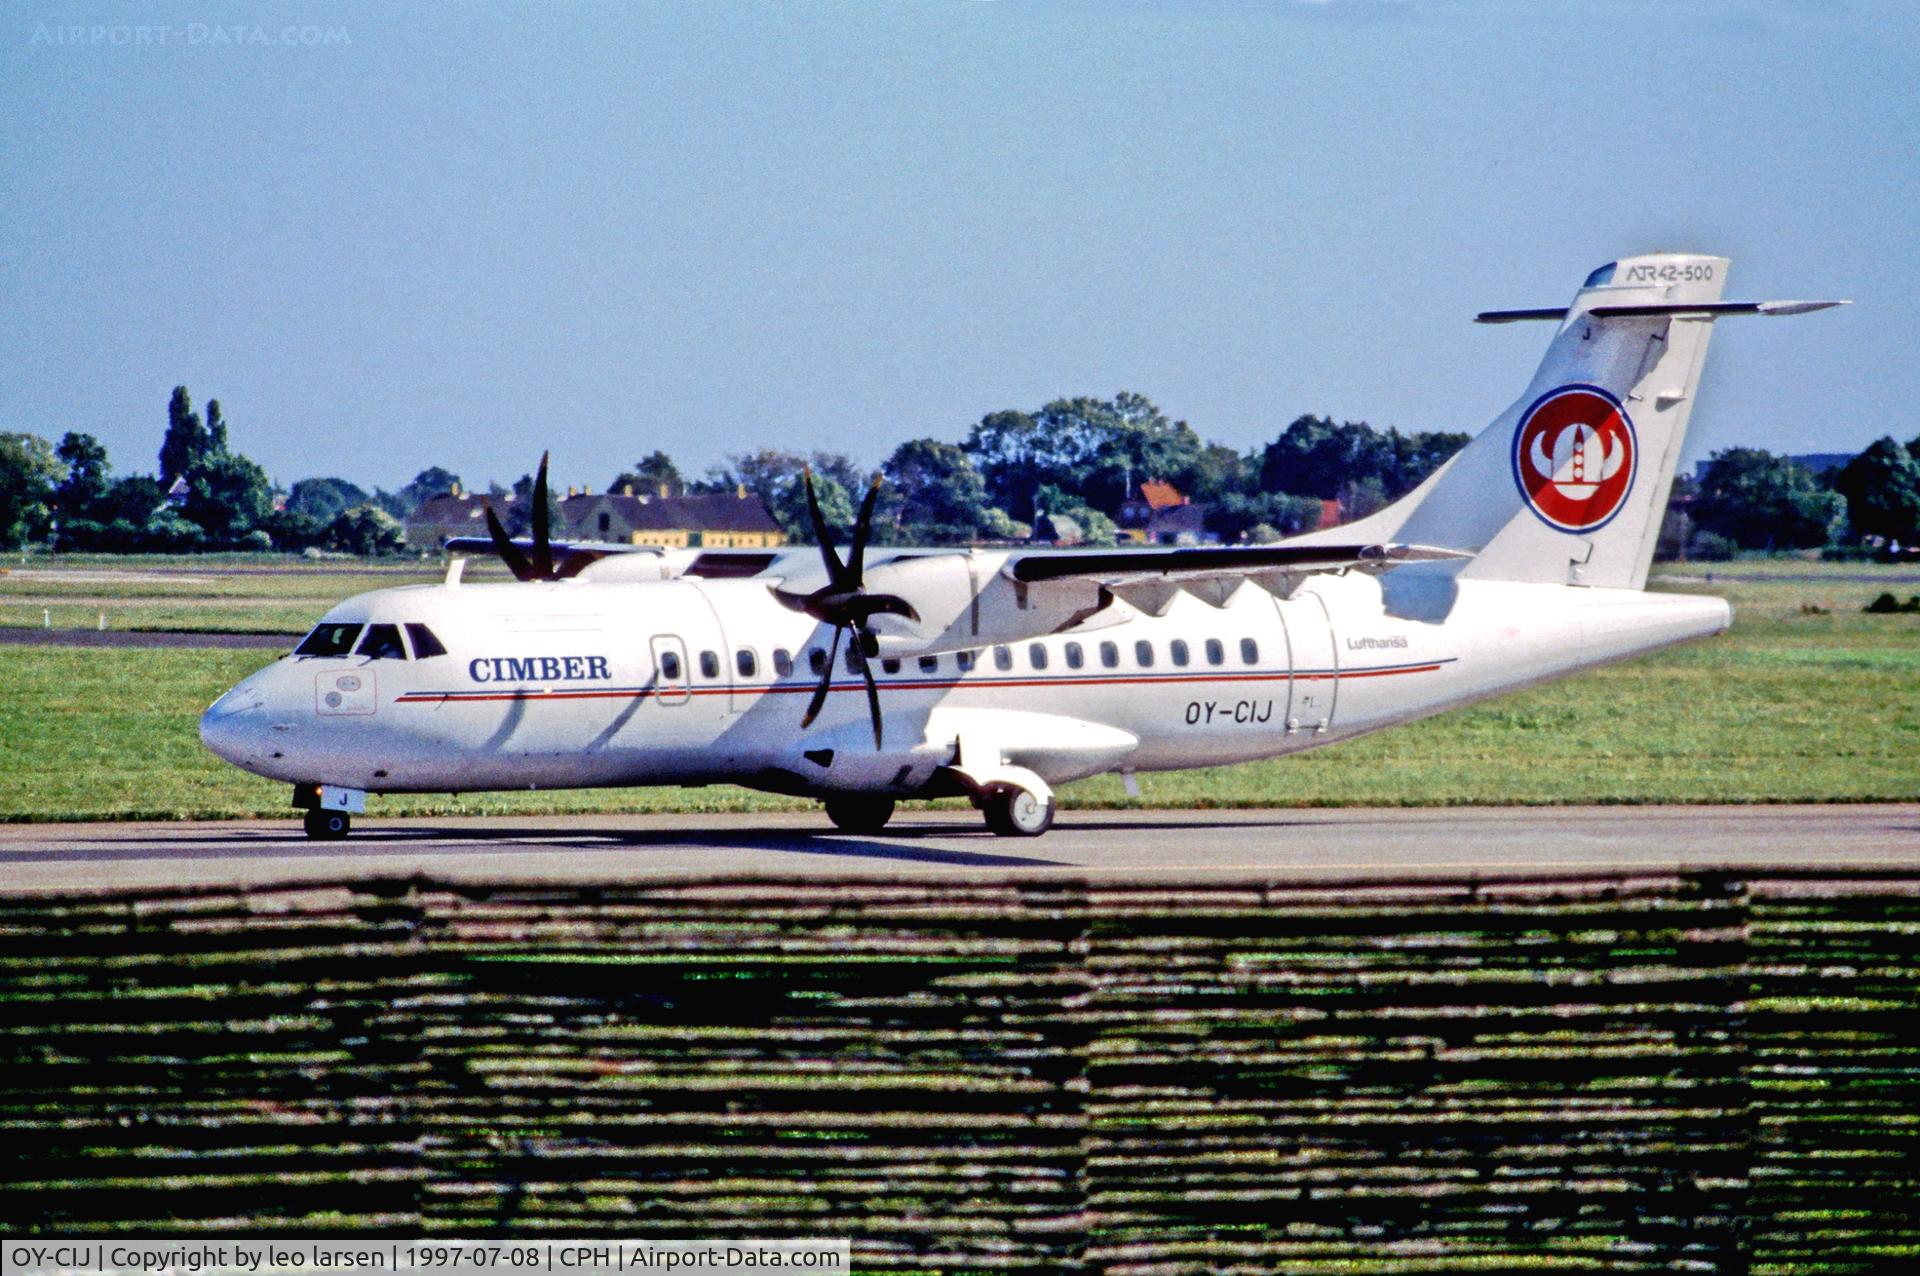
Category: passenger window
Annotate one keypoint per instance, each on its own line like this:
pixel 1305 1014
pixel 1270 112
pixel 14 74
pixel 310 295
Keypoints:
pixel 929 663
pixel 816 661
pixel 382 643
pixel 1003 658
pixel 424 643
pixel 1143 653
pixel 1216 652
pixel 890 663
pixel 670 665
pixel 1177 651
pixel 854 659
pixel 328 640
pixel 1249 652
pixel 964 659
pixel 782 662
pixel 709 664
pixel 1037 653
pixel 1109 655
pixel 1075 656
pixel 743 661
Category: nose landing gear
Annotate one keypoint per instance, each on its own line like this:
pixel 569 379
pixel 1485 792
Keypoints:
pixel 328 826
pixel 328 809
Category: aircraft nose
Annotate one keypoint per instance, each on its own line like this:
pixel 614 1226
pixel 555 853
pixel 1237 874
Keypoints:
pixel 231 724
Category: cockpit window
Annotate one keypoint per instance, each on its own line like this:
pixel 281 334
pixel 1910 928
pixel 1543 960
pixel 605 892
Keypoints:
pixel 328 640
pixel 424 642
pixel 381 643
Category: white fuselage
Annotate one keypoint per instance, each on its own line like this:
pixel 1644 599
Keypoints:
pixel 584 683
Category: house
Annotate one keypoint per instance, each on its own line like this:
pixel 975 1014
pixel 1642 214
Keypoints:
pixel 724 520
pixel 1160 514
pixel 453 513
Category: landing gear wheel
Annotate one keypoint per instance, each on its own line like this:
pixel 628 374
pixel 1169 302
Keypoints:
pixel 859 813
pixel 328 826
pixel 1012 811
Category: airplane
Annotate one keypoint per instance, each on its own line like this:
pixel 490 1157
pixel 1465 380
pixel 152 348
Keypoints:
pixel 998 674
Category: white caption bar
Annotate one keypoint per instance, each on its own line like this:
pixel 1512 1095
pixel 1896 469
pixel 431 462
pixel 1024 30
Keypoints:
pixel 228 1257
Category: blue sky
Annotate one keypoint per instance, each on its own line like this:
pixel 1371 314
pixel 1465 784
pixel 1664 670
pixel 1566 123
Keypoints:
pixel 419 234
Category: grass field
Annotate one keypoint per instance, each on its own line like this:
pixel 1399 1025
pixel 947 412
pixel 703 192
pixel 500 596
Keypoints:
pixel 1807 699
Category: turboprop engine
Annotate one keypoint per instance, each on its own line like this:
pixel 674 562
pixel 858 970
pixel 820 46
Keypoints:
pixel 965 600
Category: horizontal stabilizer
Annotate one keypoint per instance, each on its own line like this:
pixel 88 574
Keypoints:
pixel 1695 310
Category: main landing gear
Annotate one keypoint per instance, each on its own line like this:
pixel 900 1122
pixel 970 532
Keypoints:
pixel 859 812
pixel 328 826
pixel 1013 811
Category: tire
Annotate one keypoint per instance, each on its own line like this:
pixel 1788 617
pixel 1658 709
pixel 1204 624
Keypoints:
pixel 860 813
pixel 328 826
pixel 1012 811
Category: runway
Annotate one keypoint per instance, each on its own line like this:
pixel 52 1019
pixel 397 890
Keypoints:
pixel 1132 846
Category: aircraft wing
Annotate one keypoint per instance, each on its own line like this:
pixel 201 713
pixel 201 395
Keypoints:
pixel 964 599
pixel 1149 578
pixel 1127 566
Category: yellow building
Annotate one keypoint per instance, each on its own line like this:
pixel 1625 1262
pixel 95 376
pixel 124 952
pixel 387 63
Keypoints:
pixel 728 520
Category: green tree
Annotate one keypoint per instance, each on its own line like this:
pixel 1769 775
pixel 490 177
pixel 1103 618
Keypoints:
pixel 1315 457
pixel 228 496
pixel 1239 516
pixel 1762 501
pixel 29 473
pixel 774 477
pixel 1415 456
pixel 933 495
pixel 433 481
pixel 1091 449
pixel 649 474
pixel 1882 491
pixel 323 498
pixel 187 441
pixel 789 508
pixel 1095 527
pixel 367 530
pixel 128 521
pixel 84 492
pixel 1216 473
pixel 216 428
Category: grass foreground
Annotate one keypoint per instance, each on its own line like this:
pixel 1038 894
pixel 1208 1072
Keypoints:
pixel 1806 699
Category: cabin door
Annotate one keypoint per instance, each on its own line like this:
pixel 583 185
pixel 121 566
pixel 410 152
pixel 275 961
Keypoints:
pixel 1315 683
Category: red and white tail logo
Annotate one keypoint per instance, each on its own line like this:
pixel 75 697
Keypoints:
pixel 1574 457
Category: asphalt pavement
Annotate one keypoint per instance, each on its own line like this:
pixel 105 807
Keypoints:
pixel 1273 845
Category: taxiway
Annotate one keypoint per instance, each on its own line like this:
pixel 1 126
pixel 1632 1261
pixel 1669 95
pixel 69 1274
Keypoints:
pixel 1307 845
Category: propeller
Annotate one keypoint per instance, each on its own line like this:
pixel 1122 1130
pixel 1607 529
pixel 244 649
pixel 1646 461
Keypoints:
pixel 540 566
pixel 844 602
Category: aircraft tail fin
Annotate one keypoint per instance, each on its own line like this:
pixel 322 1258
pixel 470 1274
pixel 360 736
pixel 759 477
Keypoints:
pixel 1570 483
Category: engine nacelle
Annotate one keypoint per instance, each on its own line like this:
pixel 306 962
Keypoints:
pixel 966 600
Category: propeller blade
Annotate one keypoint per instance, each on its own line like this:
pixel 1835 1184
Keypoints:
pixel 826 684
pixel 862 525
pixel 867 643
pixel 509 552
pixel 542 525
pixel 836 570
pixel 790 600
